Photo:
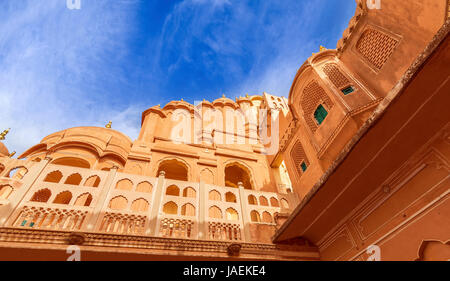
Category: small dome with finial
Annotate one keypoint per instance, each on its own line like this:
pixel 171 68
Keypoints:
pixel 109 125
pixel 4 133
pixel 3 149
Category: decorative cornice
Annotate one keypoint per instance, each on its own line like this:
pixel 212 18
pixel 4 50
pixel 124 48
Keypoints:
pixel 265 251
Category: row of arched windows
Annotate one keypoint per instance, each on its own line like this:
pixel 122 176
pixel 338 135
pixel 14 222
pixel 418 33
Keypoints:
pixel 74 179
pixel 63 198
pixel 230 197
pixel 214 195
pixel 265 218
pixel 235 173
pixel 264 202
pixel 126 184
pixel 215 212
pixel 171 208
pixel 174 190
pixel 121 203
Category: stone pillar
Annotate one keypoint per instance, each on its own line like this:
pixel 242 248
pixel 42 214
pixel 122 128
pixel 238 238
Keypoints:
pixel 101 203
pixel 157 198
pixel 244 213
pixel 34 172
pixel 202 213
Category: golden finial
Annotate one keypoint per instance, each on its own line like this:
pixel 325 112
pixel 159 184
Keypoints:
pixel 109 125
pixel 223 96
pixel 4 133
pixel 12 154
pixel 246 95
pixel 182 99
pixel 322 48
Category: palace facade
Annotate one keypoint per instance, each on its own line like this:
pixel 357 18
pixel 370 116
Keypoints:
pixel 354 165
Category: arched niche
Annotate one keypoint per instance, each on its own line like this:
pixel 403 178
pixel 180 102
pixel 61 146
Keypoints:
pixel 174 170
pixel 53 177
pixel 215 213
pixel 170 208
pixel 72 162
pixel 236 173
pixel 63 198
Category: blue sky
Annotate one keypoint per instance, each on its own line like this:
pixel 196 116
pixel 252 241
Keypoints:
pixel 112 59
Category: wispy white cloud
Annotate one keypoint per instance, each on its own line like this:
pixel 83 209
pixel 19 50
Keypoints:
pixel 52 60
pixel 255 46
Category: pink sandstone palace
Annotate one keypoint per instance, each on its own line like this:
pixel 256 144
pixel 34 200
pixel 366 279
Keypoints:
pixel 361 166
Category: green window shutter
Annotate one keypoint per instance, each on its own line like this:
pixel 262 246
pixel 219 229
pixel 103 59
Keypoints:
pixel 320 114
pixel 348 90
pixel 304 166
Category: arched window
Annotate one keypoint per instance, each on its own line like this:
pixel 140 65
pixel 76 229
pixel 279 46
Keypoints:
pixel 214 195
pixel 74 179
pixel 274 202
pixel 267 217
pixel 84 200
pixel 215 212
pixel 93 181
pixel 263 201
pixel 170 208
pixel 5 191
pixel 232 214
pixel 235 173
pixel 254 216
pixel 54 177
pixel 124 184
pixel 230 197
pixel 188 210
pixel 174 170
pixel 173 190
pixel 252 200
pixel 41 196
pixel 139 205
pixel 63 198
pixel 189 192
pixel 72 162
pixel 320 114
pixel 144 187
pixel 17 173
pixel 118 203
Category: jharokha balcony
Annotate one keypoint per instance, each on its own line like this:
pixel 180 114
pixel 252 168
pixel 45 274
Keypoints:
pixel 105 211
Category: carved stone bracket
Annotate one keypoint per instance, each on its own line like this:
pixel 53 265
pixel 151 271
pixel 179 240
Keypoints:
pixel 76 239
pixel 234 250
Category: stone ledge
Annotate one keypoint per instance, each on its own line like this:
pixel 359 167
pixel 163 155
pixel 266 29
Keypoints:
pixel 141 244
